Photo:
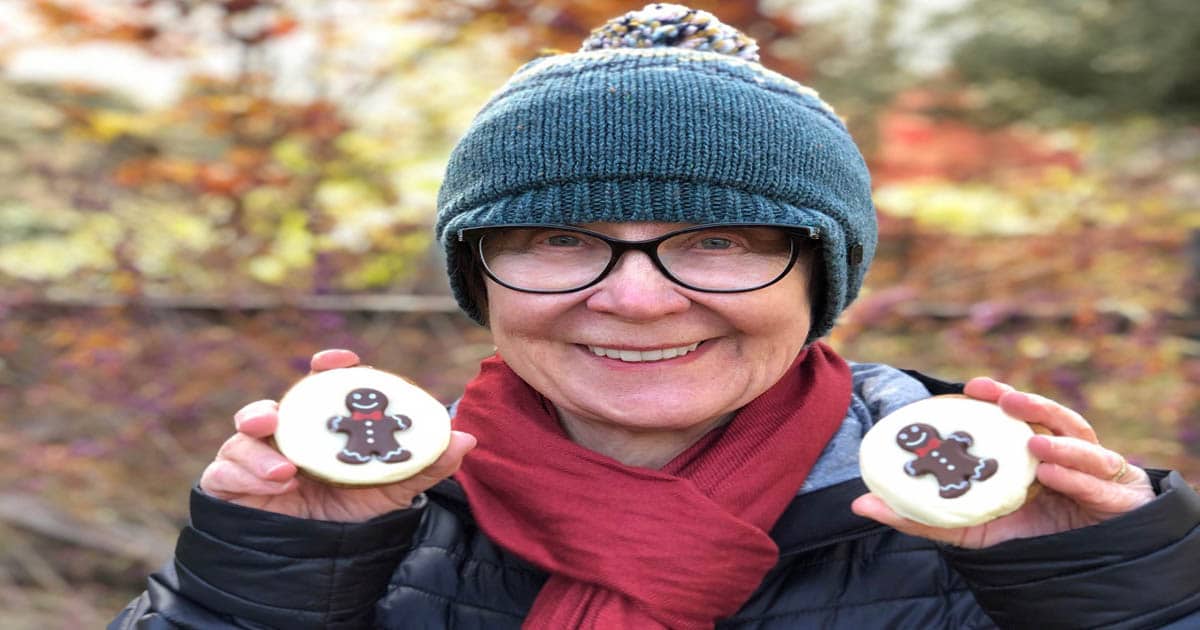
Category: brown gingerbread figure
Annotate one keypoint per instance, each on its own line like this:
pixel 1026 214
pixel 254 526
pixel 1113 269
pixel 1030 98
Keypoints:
pixel 946 458
pixel 371 431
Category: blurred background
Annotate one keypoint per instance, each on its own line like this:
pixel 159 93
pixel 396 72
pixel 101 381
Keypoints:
pixel 196 195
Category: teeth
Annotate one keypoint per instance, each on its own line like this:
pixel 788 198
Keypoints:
pixel 637 356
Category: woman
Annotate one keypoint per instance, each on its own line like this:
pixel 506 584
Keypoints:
pixel 657 230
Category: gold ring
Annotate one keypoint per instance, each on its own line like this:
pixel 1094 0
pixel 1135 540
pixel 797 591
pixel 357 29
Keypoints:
pixel 1121 472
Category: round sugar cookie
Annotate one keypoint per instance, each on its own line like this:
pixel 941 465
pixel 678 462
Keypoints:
pixel 360 426
pixel 949 461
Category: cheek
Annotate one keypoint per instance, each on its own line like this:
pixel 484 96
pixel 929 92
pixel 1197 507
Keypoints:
pixel 506 330
pixel 779 318
pixel 524 324
pixel 515 314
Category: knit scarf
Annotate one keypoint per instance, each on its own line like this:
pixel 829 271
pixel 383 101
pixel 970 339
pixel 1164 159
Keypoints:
pixel 630 547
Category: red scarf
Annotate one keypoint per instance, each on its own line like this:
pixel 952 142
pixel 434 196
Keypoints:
pixel 631 547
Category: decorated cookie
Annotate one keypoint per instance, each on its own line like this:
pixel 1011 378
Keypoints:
pixel 360 426
pixel 949 461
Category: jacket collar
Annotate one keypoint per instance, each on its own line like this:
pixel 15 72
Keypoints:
pixel 822 517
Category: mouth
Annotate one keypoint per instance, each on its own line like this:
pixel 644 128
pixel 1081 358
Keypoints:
pixel 642 356
pixel 370 406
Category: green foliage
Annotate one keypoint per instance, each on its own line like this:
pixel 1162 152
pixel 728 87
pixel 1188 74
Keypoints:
pixel 1058 60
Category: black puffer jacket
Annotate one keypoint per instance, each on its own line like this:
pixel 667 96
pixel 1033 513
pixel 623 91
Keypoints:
pixel 432 568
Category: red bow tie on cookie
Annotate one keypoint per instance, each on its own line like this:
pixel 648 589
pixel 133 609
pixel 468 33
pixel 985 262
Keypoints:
pixel 370 415
pixel 922 451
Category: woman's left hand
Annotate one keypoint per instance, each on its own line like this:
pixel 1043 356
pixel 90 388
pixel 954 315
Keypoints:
pixel 1083 482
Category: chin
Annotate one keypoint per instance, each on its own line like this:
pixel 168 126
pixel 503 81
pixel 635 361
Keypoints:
pixel 656 416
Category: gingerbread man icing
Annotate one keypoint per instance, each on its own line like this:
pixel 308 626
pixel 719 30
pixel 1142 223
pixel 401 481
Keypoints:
pixel 946 458
pixel 371 431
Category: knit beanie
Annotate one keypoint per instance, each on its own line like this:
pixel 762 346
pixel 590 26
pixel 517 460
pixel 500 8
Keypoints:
pixel 665 114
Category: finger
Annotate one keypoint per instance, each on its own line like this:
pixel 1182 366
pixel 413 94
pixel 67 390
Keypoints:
pixel 256 457
pixel 1059 419
pixel 872 507
pixel 257 419
pixel 225 479
pixel 1077 454
pixel 447 464
pixel 984 388
pixel 1097 495
pixel 332 359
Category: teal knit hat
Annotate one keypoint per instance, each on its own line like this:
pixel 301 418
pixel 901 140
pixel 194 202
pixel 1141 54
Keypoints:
pixel 664 115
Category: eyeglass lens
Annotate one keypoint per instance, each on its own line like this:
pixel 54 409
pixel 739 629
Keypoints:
pixel 724 258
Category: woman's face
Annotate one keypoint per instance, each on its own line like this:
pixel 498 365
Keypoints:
pixel 746 342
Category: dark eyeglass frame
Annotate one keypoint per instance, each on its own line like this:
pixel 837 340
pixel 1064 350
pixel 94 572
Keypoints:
pixel 618 247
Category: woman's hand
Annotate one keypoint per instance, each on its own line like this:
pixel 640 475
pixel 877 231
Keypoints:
pixel 1083 482
pixel 250 472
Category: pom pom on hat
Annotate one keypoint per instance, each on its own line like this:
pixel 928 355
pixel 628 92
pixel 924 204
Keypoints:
pixel 675 26
pixel 664 115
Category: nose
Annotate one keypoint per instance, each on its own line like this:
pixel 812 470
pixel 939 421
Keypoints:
pixel 636 290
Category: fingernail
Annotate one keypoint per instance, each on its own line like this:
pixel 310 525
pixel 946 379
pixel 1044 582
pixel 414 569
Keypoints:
pixel 272 470
pixel 1013 394
pixel 471 440
pixel 252 409
pixel 331 351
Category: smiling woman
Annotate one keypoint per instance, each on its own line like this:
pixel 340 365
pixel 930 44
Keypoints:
pixel 658 231
pixel 743 342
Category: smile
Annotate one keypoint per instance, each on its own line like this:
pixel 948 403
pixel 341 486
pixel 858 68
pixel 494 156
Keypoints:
pixel 637 356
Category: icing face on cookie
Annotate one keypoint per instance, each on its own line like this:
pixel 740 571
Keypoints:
pixel 915 437
pixel 364 402
pixel 946 459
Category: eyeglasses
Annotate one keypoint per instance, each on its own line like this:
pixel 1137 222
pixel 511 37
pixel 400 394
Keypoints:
pixel 710 258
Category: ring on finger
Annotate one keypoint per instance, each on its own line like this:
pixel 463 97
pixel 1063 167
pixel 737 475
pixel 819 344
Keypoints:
pixel 1120 474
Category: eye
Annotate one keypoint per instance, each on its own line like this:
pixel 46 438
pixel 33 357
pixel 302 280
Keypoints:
pixel 715 242
pixel 357 396
pixel 563 240
pixel 712 241
pixel 371 396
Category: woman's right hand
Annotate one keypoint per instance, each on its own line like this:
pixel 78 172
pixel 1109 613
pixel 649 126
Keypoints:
pixel 249 471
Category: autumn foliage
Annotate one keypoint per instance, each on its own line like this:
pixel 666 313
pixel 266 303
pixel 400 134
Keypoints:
pixel 163 263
